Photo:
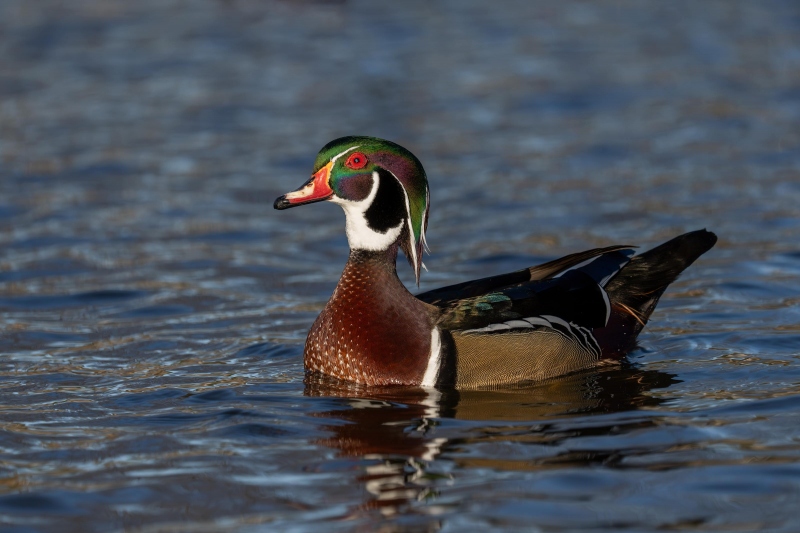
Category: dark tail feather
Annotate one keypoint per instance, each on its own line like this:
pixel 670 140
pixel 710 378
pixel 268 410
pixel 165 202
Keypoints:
pixel 635 290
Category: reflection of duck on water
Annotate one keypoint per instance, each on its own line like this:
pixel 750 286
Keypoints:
pixel 400 432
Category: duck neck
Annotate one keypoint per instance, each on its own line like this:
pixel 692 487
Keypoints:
pixel 382 260
pixel 373 275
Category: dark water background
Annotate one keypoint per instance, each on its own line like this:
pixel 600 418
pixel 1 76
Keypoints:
pixel 153 305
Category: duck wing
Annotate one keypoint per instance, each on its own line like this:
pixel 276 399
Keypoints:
pixel 468 289
pixel 572 291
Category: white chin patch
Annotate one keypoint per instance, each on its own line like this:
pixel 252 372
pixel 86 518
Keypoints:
pixel 359 234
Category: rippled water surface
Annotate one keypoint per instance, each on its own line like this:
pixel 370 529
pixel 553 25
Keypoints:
pixel 153 305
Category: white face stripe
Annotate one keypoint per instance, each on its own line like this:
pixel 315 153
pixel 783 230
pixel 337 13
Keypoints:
pixel 410 227
pixel 359 234
pixel 434 360
pixel 425 220
pixel 334 158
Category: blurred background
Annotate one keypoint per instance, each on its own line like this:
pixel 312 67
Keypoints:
pixel 142 266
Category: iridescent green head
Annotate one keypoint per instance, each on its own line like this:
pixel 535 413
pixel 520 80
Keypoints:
pixel 382 188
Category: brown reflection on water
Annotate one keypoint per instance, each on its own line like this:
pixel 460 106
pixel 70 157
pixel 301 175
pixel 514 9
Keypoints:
pixel 398 431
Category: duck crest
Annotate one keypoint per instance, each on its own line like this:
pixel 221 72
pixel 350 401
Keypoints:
pixel 372 330
pixel 569 314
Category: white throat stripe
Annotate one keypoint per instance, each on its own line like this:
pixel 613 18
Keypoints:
pixel 359 234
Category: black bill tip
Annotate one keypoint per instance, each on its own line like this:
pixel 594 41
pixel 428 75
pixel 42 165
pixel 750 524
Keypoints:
pixel 282 203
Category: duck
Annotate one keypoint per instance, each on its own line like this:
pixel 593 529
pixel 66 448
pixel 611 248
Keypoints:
pixel 570 314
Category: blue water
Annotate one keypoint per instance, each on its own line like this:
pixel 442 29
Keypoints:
pixel 153 305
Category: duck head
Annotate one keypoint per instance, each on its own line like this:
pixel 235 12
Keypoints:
pixel 382 188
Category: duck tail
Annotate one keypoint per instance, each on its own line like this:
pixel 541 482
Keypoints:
pixel 634 292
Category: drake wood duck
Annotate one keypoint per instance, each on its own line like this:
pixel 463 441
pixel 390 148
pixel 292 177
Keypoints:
pixel 539 322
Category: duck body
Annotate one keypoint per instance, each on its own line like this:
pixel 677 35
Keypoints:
pixel 540 322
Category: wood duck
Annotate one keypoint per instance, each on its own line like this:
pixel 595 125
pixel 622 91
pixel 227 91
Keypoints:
pixel 539 322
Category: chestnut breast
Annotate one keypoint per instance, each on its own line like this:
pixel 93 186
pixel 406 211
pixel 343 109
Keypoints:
pixel 372 331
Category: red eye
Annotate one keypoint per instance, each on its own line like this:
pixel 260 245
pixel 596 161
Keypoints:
pixel 356 160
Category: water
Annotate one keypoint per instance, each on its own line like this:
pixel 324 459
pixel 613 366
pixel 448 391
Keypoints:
pixel 153 305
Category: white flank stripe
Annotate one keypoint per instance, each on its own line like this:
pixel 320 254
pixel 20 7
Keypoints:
pixel 500 326
pixel 434 361
pixel 518 324
pixel 538 321
pixel 556 320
